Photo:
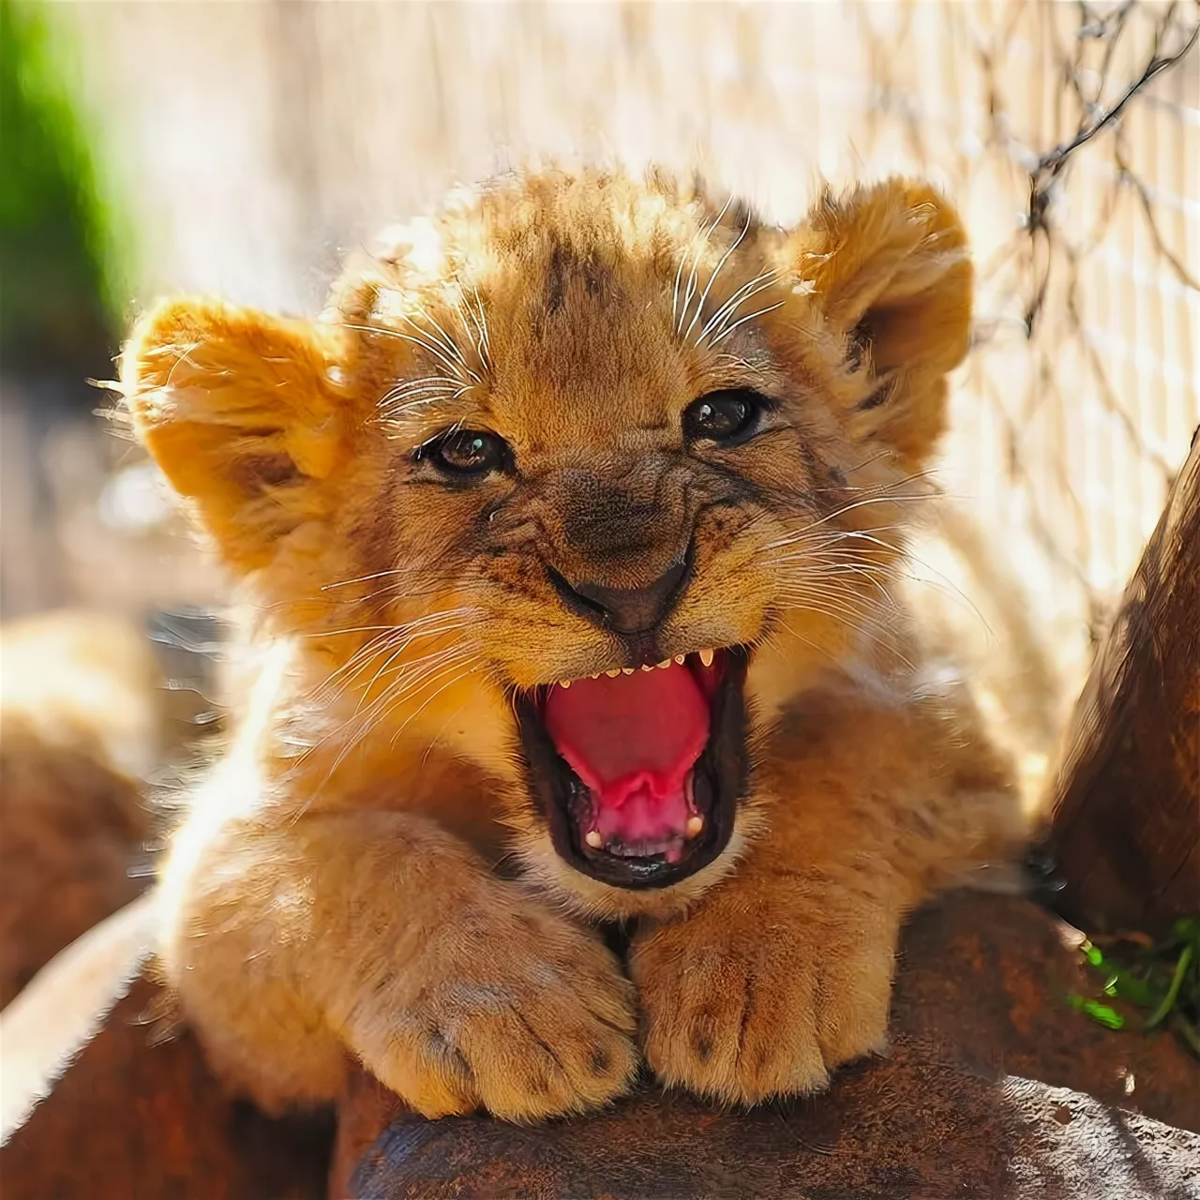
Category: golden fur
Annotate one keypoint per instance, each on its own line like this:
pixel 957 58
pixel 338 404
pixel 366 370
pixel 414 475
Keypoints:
pixel 365 871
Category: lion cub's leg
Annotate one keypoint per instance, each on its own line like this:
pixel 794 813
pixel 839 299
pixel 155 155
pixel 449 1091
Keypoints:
pixel 784 970
pixel 381 934
pixel 778 976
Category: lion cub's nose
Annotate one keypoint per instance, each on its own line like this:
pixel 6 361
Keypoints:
pixel 626 610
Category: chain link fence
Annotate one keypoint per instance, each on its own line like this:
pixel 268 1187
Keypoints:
pixel 258 142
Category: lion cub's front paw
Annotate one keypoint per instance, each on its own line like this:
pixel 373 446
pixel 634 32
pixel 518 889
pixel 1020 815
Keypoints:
pixel 745 1001
pixel 511 1008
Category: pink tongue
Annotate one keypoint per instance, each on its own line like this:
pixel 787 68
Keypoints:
pixel 633 740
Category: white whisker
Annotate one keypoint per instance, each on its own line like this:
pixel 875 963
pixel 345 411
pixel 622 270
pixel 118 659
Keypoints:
pixel 451 394
pixel 441 338
pixel 450 344
pixel 365 578
pixel 703 237
pixel 485 337
pixel 749 317
pixel 467 320
pixel 886 498
pixel 712 278
pixel 425 342
pixel 430 386
pixel 361 661
pixel 362 723
pixel 449 683
pixel 746 292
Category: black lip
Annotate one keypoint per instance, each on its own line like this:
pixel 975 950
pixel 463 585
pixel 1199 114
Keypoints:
pixel 722 767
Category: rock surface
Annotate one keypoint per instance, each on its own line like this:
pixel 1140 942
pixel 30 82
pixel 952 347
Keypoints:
pixel 135 1118
pixel 994 1088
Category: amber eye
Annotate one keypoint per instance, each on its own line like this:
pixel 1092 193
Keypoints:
pixel 466 452
pixel 727 416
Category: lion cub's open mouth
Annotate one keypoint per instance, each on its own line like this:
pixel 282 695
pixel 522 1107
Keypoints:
pixel 639 771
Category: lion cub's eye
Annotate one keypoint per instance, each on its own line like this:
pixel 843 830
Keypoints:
pixel 466 452
pixel 725 416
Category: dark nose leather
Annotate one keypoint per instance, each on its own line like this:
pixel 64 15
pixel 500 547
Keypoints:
pixel 626 610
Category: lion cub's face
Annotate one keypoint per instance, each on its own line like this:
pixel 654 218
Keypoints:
pixel 597 464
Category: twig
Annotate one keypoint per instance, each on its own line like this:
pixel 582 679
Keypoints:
pixel 1053 160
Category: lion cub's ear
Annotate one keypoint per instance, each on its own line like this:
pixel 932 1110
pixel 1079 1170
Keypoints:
pixel 240 411
pixel 888 265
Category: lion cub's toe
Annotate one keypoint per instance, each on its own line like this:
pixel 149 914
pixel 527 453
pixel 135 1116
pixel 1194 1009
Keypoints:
pixel 526 1016
pixel 744 1014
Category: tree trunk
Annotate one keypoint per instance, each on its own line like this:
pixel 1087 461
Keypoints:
pixel 1125 832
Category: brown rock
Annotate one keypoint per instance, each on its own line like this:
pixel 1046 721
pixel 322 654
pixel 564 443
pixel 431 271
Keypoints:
pixel 994 1087
pixel 964 1139
pixel 134 1120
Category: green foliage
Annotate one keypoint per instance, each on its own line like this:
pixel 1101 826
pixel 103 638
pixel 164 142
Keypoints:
pixel 1162 980
pixel 1103 1014
pixel 58 279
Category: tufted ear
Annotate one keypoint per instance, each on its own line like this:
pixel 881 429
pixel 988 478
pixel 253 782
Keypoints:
pixel 241 413
pixel 889 266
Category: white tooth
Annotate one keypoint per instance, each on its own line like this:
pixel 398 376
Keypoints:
pixel 646 668
pixel 597 675
pixel 706 657
pixel 666 662
pixel 613 673
pixel 564 684
pixel 594 839
pixel 694 826
pixel 679 658
pixel 626 670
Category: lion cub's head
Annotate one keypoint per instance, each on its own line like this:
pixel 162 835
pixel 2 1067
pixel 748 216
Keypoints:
pixel 579 480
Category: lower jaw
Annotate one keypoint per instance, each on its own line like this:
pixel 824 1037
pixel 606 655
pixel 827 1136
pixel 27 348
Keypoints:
pixel 719 781
pixel 618 905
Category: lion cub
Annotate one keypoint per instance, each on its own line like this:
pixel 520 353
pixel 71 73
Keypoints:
pixel 570 526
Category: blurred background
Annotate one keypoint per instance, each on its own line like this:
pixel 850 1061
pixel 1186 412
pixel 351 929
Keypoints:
pixel 243 147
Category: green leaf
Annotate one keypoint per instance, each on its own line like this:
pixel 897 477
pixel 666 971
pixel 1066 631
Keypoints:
pixel 1161 979
pixel 1129 987
pixel 1168 1001
pixel 1102 1014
